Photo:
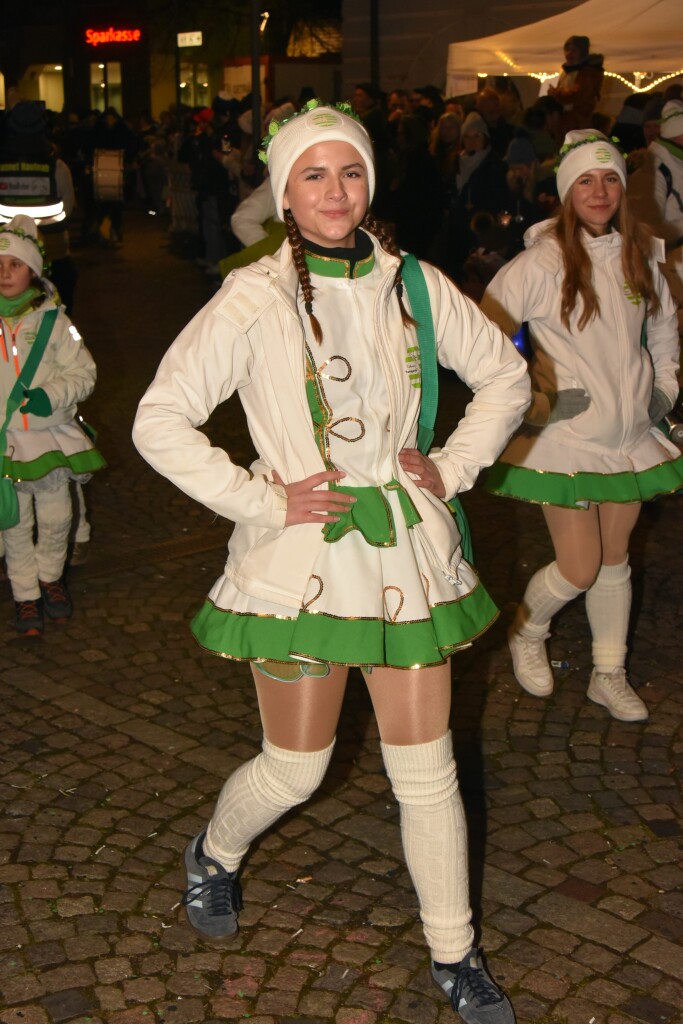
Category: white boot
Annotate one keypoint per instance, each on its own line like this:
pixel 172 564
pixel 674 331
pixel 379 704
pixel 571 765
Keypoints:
pixel 614 693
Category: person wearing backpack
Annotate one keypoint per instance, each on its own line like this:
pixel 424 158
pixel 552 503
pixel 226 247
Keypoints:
pixel 45 370
pixel 344 552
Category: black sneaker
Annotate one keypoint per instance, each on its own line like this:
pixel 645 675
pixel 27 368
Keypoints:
pixel 473 992
pixel 29 617
pixel 56 601
pixel 214 896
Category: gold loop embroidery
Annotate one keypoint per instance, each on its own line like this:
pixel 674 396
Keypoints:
pixel 395 615
pixel 307 604
pixel 330 376
pixel 346 419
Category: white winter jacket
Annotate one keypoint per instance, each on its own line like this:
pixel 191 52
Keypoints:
pixel 606 358
pixel 66 371
pixel 250 338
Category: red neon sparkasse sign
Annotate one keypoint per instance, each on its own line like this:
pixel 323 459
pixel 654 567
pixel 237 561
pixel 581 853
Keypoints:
pixel 102 36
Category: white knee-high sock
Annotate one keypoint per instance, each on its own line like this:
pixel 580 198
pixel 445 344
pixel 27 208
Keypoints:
pixel 257 794
pixel 608 606
pixel 546 592
pixel 434 834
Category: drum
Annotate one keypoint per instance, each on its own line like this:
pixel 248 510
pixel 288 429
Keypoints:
pixel 108 175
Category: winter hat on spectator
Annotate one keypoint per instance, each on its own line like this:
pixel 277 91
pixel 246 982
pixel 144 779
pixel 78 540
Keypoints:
pixel 586 149
pixel 288 139
pixel 671 124
pixel 521 150
pixel 203 116
pixel 27 118
pixel 19 238
pixel 474 123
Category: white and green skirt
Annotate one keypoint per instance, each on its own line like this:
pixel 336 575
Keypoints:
pixel 373 599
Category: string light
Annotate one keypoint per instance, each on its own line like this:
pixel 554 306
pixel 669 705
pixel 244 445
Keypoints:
pixel 543 76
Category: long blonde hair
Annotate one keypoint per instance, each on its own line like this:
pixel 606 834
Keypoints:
pixel 373 227
pixel 636 249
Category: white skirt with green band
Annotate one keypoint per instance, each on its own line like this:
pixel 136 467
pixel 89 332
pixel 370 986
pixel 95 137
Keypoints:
pixel 32 455
pixel 541 470
pixel 373 599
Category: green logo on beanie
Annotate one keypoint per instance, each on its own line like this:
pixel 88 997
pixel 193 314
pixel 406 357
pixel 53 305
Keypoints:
pixel 4 242
pixel 324 119
pixel 603 155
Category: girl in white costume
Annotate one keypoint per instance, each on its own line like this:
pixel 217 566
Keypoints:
pixel 604 333
pixel 344 552
pixel 45 447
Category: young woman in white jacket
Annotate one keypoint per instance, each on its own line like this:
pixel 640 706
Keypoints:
pixel 604 334
pixel 344 551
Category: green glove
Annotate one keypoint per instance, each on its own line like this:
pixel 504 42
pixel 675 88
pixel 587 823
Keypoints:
pixel 37 402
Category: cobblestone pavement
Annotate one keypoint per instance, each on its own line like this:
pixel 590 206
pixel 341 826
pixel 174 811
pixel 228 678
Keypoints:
pixel 117 732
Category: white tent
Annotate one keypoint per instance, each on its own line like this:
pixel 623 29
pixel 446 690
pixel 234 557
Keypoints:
pixel 635 36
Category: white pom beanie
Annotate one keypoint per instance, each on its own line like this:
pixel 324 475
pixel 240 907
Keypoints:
pixel 671 124
pixel 19 238
pixel 320 124
pixel 586 149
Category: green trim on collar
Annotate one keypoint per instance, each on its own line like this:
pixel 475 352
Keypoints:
pixel 334 266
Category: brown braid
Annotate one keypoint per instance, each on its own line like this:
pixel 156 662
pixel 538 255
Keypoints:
pixel 386 239
pixel 297 245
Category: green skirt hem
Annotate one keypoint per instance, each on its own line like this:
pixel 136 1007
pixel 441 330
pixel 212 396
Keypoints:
pixel 337 641
pixel 78 464
pixel 544 487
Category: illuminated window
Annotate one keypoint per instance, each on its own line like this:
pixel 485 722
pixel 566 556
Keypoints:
pixel 194 84
pixel 105 86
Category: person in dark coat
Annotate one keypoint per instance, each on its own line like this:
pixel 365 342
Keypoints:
pixel 481 186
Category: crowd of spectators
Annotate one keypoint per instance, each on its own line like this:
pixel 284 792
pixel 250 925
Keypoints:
pixel 459 178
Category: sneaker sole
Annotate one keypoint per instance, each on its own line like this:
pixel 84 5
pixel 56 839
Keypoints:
pixel 635 717
pixel 211 940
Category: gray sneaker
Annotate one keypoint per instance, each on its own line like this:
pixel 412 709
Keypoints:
pixel 213 898
pixel 473 992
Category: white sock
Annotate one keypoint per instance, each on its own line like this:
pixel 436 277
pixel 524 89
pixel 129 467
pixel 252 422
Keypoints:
pixel 434 833
pixel 546 592
pixel 608 606
pixel 259 793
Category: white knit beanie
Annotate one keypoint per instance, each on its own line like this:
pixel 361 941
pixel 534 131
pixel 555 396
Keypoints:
pixel 671 124
pixel 19 238
pixel 586 149
pixel 297 134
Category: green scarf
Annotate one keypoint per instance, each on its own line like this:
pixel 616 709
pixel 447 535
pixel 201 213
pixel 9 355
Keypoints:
pixel 17 306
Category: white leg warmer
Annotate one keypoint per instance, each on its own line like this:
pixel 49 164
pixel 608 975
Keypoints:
pixel 434 833
pixel 608 605
pixel 546 593
pixel 259 793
